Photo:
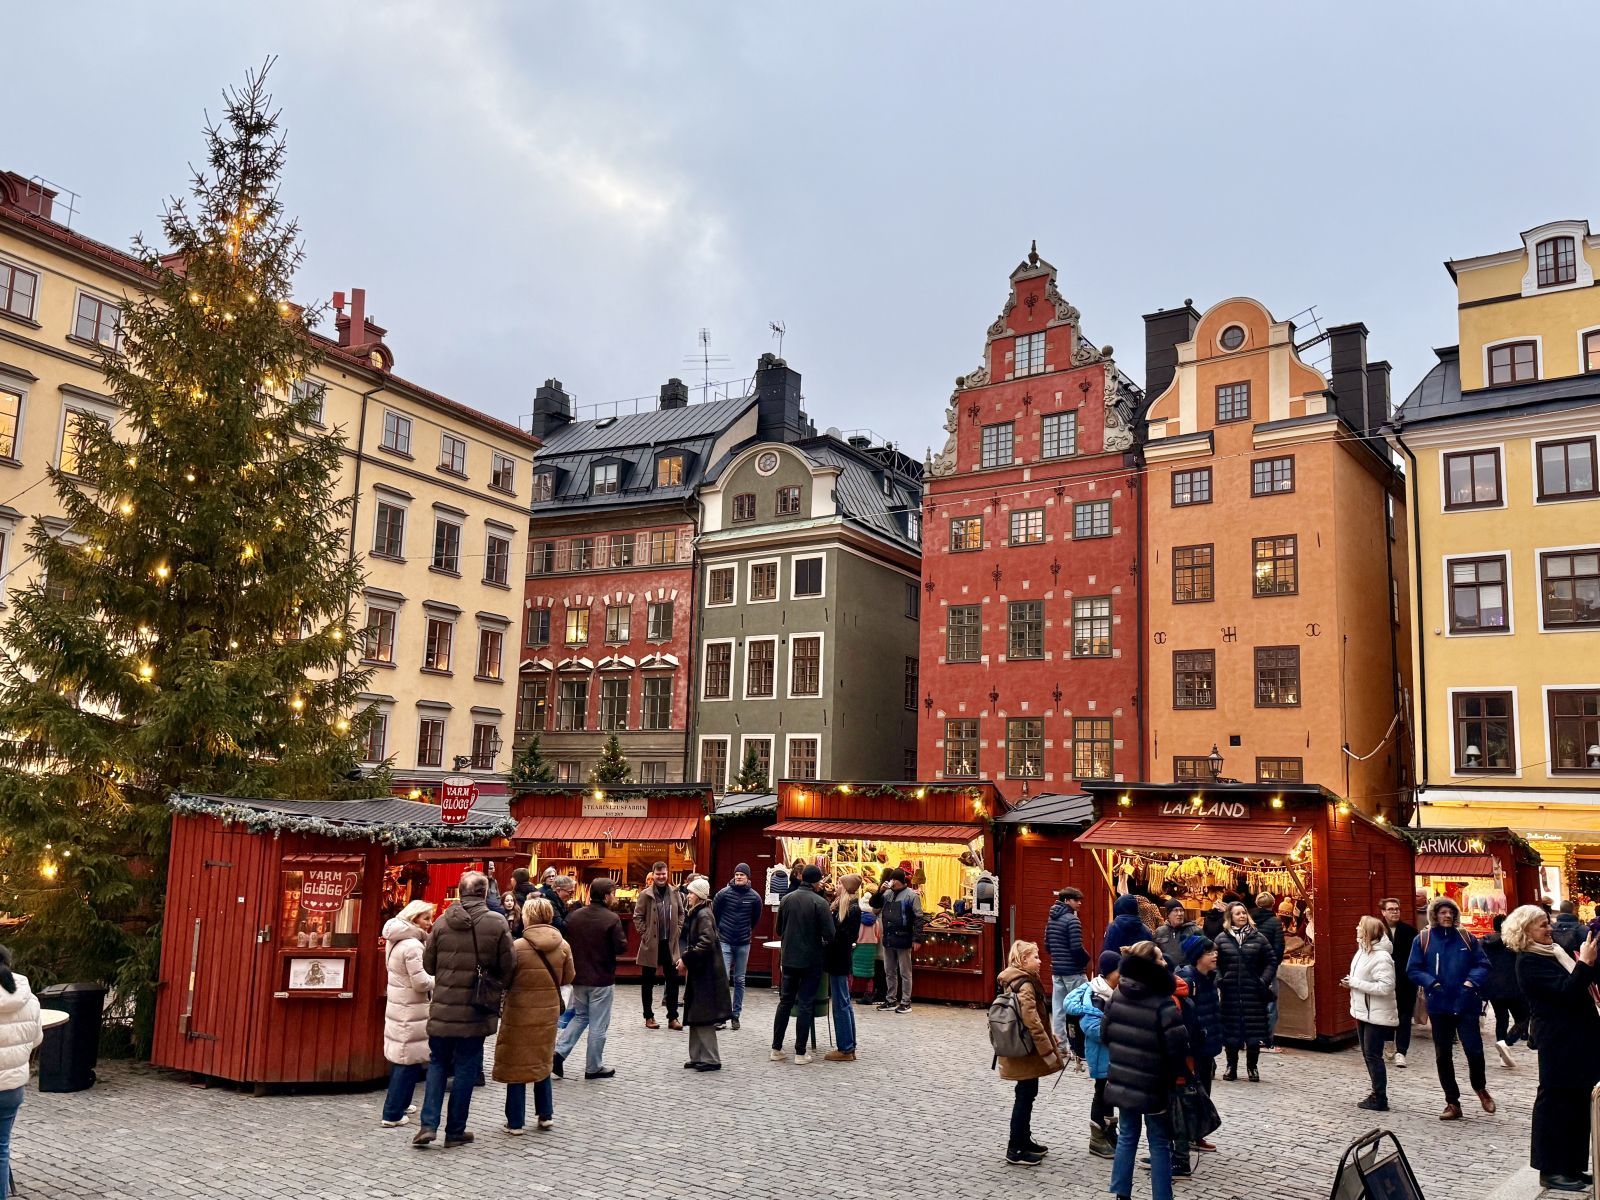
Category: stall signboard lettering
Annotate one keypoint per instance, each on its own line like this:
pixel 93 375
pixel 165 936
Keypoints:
pixel 1447 845
pixel 615 806
pixel 325 889
pixel 1233 810
pixel 456 799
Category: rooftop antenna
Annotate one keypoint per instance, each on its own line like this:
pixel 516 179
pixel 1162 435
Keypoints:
pixel 704 360
pixel 778 330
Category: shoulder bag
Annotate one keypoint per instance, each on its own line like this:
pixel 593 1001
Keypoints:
pixel 488 994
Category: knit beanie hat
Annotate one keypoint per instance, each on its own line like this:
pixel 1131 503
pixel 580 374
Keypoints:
pixel 1110 961
pixel 699 886
pixel 742 869
pixel 1197 945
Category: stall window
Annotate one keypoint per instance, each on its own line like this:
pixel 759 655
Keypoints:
pixel 1091 748
pixel 805 666
pixel 1277 566
pixel 966 533
pixel 714 763
pixel 1091 627
pixel 1025 630
pixel 1569 588
pixel 1024 748
pixel 719 670
pixel 1478 595
pixel 760 668
pixel 656 711
pixel 1194 679
pixel 763 581
pixel 1191 487
pixel 430 742
pixel 963 634
pixel 961 748
pixel 1191 769
pixel 1027 526
pixel 1567 468
pixel 911 685
pixel 1277 676
pixel 321 907
pixel 1575 731
pixel 802 758
pixel 1091 519
pixel 572 704
pixel 533 701
pixel 1193 574
pixel 614 703
pixel 1280 770
pixel 1485 740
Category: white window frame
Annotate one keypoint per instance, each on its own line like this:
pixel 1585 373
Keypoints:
pixel 443 717
pixel 822 658
pixel 1583 333
pixel 788 742
pixel 718 787
pixel 733 663
pixel 1473 448
pixel 1550 731
pixel 710 570
pixel 1538 585
pixel 402 426
pixel 1511 615
pixel 79 404
pixel 1022 354
pixel 772 747
pixel 20 387
pixel 750 642
pixel 822 592
pixel 1533 459
pixel 749 580
pixel 1516 729
pixel 595 472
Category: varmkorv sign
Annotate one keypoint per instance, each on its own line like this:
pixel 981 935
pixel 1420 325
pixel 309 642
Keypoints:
pixel 456 798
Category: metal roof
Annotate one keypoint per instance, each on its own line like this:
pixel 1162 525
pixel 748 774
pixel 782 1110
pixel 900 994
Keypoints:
pixel 1439 395
pixel 860 493
pixel 664 426
pixel 1052 808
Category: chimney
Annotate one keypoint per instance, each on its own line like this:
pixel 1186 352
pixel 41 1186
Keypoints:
pixel 552 408
pixel 1347 376
pixel 1378 395
pixel 28 194
pixel 1164 332
pixel 778 414
pixel 674 394
pixel 860 441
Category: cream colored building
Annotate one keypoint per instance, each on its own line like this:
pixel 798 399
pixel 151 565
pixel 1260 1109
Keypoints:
pixel 442 491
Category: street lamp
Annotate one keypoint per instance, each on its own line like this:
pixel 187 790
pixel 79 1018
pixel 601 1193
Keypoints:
pixel 1214 760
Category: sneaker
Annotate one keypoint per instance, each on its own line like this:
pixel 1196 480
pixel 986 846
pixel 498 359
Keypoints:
pixel 517 1132
pixel 777 1056
pixel 410 1108
pixel 556 1065
pixel 802 1060
pixel 884 1006
pixel 1373 1104
pixel 602 1073
pixel 1504 1051
pixel 1399 1059
pixel 674 1023
pixel 839 1056
pixel 1487 1101
pixel 546 1122
pixel 904 1008
pixel 721 1025
pixel 1037 1147
pixel 1021 1157
pixel 394 1124
pixel 424 1137
pixel 462 1139
pixel 735 1025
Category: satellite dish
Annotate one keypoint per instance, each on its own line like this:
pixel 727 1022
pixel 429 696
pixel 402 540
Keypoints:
pixel 832 431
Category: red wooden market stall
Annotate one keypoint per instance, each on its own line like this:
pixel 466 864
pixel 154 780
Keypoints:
pixel 1485 871
pixel 739 826
pixel 272 956
pixel 942 831
pixel 1038 857
pixel 615 832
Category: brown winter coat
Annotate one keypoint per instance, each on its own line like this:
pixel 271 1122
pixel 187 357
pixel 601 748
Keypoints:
pixel 527 1043
pixel 1046 1058
pixel 657 921
pixel 449 958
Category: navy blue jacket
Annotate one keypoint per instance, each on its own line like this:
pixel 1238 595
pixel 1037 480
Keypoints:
pixel 1125 929
pixel 1443 963
pixel 1063 941
pixel 737 909
pixel 1203 1012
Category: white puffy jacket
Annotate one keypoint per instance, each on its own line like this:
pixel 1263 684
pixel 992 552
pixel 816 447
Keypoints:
pixel 19 1033
pixel 405 1015
pixel 1371 982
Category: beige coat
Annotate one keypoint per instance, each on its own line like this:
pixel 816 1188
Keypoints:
pixel 656 922
pixel 405 1014
pixel 526 1047
pixel 1046 1058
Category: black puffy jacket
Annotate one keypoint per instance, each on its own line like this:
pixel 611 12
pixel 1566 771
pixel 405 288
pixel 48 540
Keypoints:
pixel 1245 972
pixel 1145 1037
pixel 1205 1012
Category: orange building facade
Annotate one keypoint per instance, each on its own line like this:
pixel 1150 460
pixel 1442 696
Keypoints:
pixel 1275 561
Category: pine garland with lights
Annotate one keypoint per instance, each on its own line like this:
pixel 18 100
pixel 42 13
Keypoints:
pixel 191 629
pixel 395 835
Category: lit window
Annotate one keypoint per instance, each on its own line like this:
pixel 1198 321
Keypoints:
pixel 10 414
pixel 1194 679
pixel 669 470
pixel 436 653
pixel 966 533
pixel 1277 566
pixel 1091 748
pixel 577 626
pixel 1091 627
pixel 1277 676
pixel 1193 572
pixel 1024 748
pixel 74 428
pixel 1472 479
pixel 1575 730
pixel 961 748
pixel 1027 526
pixel 1485 739
pixel 490 644
pixel 380 631
pixel 1280 770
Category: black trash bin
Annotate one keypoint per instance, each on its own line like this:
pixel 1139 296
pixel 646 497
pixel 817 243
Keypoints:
pixel 68 1056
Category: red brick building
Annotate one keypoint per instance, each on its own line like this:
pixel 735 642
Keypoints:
pixel 1031 621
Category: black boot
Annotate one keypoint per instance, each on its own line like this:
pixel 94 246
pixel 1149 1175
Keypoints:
pixel 1231 1075
pixel 1252 1058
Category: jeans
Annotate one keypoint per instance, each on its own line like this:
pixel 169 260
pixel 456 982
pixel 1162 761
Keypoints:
pixel 897 974
pixel 799 995
pixel 544 1102
pixel 647 983
pixel 736 959
pixel 1272 1021
pixel 458 1059
pixel 1446 1029
pixel 1373 1038
pixel 10 1101
pixel 844 1014
pixel 1022 1114
pixel 1160 1133
pixel 1062 986
pixel 1406 1001
pixel 1510 1020
pixel 403 1079
pixel 591 1010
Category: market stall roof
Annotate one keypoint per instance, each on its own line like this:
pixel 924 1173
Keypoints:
pixel 1455 865
pixel 402 824
pixel 606 829
pixel 1052 808
pixel 1229 838
pixel 733 804
pixel 889 831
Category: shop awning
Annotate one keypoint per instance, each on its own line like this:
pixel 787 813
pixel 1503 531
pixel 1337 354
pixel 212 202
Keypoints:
pixel 888 831
pixel 601 829
pixel 1456 866
pixel 1232 839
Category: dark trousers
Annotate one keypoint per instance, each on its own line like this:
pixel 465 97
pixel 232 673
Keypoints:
pixel 1252 1057
pixel 647 983
pixel 1205 1072
pixel 1406 1000
pixel 1510 1020
pixel 1022 1113
pixel 1373 1038
pixel 799 996
pixel 880 982
pixel 1101 1113
pixel 1446 1029
pixel 1560 1131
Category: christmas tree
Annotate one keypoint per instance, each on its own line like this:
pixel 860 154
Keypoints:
pixel 611 767
pixel 531 766
pixel 191 630
pixel 752 777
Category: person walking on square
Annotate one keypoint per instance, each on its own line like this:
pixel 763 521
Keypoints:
pixel 1148 1043
pixel 20 1032
pixel 1087 1005
pixel 900 914
pixel 466 940
pixel 596 938
pixel 658 916
pixel 1401 934
pixel 1372 984
pixel 1021 977
pixel 1450 968
pixel 1063 941
pixel 707 1002
pixel 805 927
pixel 1504 993
pixel 405 1008
pixel 525 1051
pixel 1246 970
pixel 838 962
pixel 737 909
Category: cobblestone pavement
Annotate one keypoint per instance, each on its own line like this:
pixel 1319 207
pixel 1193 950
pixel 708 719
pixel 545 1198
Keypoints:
pixel 757 1130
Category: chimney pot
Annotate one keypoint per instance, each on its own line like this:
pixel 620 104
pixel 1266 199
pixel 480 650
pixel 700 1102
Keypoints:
pixel 674 394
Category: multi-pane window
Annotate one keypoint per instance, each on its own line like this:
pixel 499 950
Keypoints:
pixel 1280 770
pixel 1027 355
pixel 614 703
pixel 98 320
pixel 533 701
pixel 661 546
pixel 1269 476
pixel 1233 402
pixel 446 546
pixel 580 554
pixel 1485 739
pixel 380 632
pixel 568 771
pixel 1058 435
pixel 805 667
pixel 714 763
pixel 966 533
pixel 1091 748
pixel 317 393
pixel 375 744
pixel 74 426
pixel 430 742
pixel 807 577
pixel 1477 594
pixel 1193 574
pixel 1194 679
pixel 10 414
pixel 452 454
pixel 761 668
pixel 491 643
pixel 1575 731
pixel 719 585
pixel 1027 526
pixel 1091 627
pixel 669 470
pixel 605 479
pixel 997 445
pixel 802 758
pixel 18 288
pixel 572 704
pixel 619 550
pixel 911 685
pixel 485 747
pixel 1513 362
pixel 963 633
pixel 396 432
pixel 544 486
pixel 619 622
pixel 1472 479
pixel 1025 629
pixel 1569 588
pixel 541 558
pixel 762 748
pixel 1191 487
pixel 496 558
pixel 913 602
pixel 764 581
pixel 577 626
pixel 1277 676
pixel 652 772
pixel 744 506
pixel 1024 748
pixel 788 501
pixel 1191 768
pixel 655 710
pixel 660 621
pixel 538 627
pixel 1277 570
pixel 1567 469
pixel 1557 261
pixel 1091 519
pixel 961 747
pixel 719 670
pixel 436 651
pixel 1591 351
pixel 503 473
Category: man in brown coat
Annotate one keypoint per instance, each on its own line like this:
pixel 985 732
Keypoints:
pixel 658 916
pixel 466 938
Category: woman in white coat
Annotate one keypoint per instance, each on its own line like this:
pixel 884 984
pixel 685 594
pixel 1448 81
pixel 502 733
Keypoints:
pixel 1373 1004
pixel 405 1014
pixel 19 1034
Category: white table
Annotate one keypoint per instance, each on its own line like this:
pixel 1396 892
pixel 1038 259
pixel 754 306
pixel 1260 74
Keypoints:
pixel 49 1018
pixel 777 971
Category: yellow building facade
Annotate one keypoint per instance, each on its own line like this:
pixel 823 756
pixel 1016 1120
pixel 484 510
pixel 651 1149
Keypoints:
pixel 442 491
pixel 1501 441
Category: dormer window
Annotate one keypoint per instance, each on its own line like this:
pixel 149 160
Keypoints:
pixel 669 470
pixel 1513 362
pixel 605 479
pixel 544 486
pixel 1557 261
pixel 1028 355
pixel 744 506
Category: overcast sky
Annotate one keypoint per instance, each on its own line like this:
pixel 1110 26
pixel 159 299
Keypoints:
pixel 575 190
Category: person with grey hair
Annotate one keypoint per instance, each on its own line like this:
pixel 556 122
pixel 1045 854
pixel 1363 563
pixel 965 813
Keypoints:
pixel 707 1000
pixel 467 940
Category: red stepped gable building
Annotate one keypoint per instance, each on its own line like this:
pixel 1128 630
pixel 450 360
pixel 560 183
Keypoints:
pixel 1031 616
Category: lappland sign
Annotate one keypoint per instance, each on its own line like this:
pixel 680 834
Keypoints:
pixel 1434 844
pixel 1234 810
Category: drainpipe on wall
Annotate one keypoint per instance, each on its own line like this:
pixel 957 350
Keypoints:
pixel 1420 776
pixel 690 712
pixel 1141 593
pixel 1396 697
